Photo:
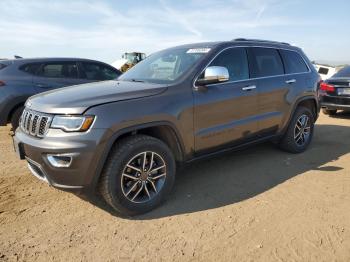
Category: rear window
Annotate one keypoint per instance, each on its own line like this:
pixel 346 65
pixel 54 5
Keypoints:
pixel 2 66
pixel 293 62
pixel 265 62
pixel 345 72
pixel 30 68
pixel 59 70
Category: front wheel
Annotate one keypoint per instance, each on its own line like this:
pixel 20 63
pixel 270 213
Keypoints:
pixel 139 174
pixel 300 131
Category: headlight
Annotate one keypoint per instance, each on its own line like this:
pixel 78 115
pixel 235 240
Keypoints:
pixel 72 123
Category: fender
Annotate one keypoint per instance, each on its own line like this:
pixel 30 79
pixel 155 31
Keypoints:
pixel 112 139
pixel 9 106
pixel 295 105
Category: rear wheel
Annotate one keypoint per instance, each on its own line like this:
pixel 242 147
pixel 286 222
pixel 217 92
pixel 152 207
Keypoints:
pixel 16 115
pixel 300 131
pixel 330 112
pixel 139 174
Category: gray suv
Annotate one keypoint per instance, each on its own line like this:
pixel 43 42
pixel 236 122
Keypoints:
pixel 22 78
pixel 124 139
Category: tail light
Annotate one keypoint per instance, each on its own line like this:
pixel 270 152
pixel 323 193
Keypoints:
pixel 327 87
pixel 2 83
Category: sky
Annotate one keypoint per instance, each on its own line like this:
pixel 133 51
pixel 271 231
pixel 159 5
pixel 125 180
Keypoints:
pixel 103 30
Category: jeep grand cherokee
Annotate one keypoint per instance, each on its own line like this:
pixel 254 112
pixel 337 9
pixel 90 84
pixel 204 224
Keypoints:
pixel 124 139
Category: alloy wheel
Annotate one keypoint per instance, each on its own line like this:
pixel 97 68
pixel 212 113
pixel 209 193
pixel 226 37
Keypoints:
pixel 302 130
pixel 143 177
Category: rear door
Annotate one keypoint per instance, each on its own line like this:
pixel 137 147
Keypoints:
pixel 56 74
pixel 226 113
pixel 267 67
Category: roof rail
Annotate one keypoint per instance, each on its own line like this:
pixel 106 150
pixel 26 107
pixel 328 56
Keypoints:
pixel 260 40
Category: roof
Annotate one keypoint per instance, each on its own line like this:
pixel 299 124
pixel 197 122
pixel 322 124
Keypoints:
pixel 48 59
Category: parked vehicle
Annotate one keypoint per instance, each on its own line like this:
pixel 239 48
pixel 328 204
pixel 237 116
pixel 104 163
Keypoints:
pixel 22 78
pixel 334 93
pixel 124 139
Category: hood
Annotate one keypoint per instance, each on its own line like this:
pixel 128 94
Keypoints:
pixel 77 99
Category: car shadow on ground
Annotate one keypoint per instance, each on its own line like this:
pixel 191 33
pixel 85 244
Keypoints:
pixel 237 176
pixel 342 115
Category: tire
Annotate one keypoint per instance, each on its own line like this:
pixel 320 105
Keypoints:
pixel 118 189
pixel 330 112
pixel 16 115
pixel 291 142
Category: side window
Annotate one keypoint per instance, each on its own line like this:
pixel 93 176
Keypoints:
pixel 95 71
pixel 236 62
pixel 265 62
pixel 59 70
pixel 293 62
pixel 30 68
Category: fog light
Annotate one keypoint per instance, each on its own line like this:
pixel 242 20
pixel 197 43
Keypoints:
pixel 61 160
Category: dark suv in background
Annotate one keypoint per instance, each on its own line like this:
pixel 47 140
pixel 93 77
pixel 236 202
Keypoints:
pixel 124 139
pixel 334 93
pixel 22 78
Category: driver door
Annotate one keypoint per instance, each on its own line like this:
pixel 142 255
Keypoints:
pixel 226 113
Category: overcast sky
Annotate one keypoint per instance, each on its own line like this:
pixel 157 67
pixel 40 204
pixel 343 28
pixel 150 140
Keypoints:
pixel 103 30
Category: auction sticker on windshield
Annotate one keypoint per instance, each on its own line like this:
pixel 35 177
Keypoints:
pixel 198 50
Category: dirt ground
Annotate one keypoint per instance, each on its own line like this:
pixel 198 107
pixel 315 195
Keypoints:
pixel 259 204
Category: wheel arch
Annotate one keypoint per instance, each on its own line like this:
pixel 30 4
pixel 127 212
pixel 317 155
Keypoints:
pixel 164 131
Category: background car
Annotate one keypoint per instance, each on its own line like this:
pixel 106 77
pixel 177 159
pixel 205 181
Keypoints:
pixel 22 78
pixel 334 93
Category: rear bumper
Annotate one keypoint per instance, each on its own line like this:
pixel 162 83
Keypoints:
pixel 335 102
pixel 87 149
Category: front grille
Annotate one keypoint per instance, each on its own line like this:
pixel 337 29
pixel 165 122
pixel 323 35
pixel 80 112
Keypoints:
pixel 35 123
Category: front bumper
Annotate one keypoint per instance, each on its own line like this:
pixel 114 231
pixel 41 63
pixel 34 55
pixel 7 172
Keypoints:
pixel 87 149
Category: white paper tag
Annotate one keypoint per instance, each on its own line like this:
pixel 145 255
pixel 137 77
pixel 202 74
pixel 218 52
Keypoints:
pixel 198 50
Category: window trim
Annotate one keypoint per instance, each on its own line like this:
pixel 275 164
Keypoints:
pixel 255 78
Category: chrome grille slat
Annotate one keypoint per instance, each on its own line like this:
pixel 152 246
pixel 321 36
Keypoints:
pixel 35 123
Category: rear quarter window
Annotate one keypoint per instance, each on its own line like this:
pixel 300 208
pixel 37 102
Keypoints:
pixel 265 62
pixel 293 62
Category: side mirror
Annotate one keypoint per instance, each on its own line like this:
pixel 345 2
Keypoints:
pixel 213 75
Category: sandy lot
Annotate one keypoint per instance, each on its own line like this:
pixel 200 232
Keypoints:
pixel 259 204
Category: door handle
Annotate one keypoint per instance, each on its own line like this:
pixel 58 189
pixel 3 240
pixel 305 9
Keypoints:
pixel 247 88
pixel 291 81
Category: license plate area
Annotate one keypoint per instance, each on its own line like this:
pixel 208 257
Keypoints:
pixel 343 91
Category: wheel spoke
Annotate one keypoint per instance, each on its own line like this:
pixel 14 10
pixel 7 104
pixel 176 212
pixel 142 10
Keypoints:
pixel 144 161
pixel 138 192
pixel 130 176
pixel 157 168
pixel 153 185
pixel 151 163
pixel 146 189
pixel 133 167
pixel 132 188
pixel 159 176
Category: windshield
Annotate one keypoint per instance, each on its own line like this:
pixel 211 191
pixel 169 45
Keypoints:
pixel 345 72
pixel 165 66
